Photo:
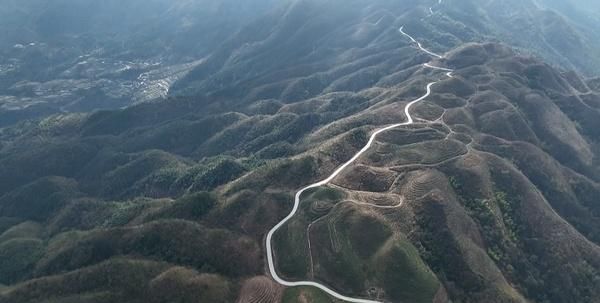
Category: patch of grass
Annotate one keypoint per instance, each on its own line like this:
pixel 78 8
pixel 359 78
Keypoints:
pixel 276 150
pixel 123 213
pixel 405 276
pixel 217 173
pixel 158 184
pixel 305 295
pixel 179 284
pixel 24 230
pixel 288 173
pixel 429 152
pixel 291 249
pixel 121 180
pixel 327 193
pixel 190 207
pixel 368 235
pixel 343 265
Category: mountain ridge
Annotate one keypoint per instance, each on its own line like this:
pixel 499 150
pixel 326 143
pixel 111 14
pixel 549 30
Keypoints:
pixel 489 196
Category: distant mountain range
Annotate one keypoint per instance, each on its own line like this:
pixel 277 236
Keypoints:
pixel 77 56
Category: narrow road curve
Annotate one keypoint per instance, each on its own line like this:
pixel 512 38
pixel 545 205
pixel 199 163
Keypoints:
pixel 269 240
pixel 401 30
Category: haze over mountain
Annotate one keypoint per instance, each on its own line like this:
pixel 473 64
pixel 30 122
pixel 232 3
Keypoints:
pixel 77 56
pixel 463 137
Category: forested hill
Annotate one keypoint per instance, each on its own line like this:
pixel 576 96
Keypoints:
pixel 489 195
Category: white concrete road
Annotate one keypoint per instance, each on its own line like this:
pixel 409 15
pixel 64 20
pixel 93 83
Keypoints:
pixel 269 240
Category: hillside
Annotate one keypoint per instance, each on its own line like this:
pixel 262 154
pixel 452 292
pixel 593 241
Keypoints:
pixel 489 195
pixel 261 53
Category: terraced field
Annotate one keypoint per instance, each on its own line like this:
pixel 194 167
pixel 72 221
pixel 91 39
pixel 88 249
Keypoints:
pixel 260 290
pixel 420 183
pixel 426 153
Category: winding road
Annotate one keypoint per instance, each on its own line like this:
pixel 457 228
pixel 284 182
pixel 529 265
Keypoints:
pixel 269 240
pixel 401 30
